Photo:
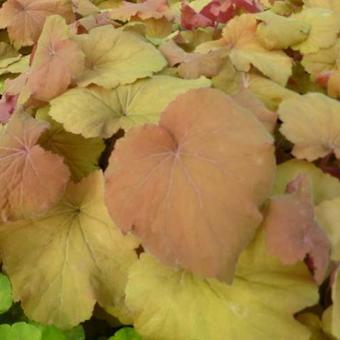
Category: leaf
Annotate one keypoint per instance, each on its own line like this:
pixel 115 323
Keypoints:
pixel 57 60
pixel 193 65
pixel 5 294
pixel 270 30
pixel 246 99
pixel 31 178
pixel 312 123
pixel 190 19
pixel 116 58
pixel 246 50
pixel 78 256
pixel 80 154
pixel 335 320
pixel 96 112
pixel 126 333
pixel 324 29
pixel 159 180
pixel 269 92
pixel 20 330
pixel 292 232
pixel 8 55
pixel 327 213
pixel 24 19
pixel 323 186
pixel 324 60
pixel 259 304
pixel 148 9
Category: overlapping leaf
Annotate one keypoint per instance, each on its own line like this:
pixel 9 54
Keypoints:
pixel 312 123
pixel 78 255
pixel 24 19
pixel 259 304
pixel 57 61
pixel 160 177
pixel 96 112
pixel 116 58
pixel 292 232
pixel 31 178
pixel 80 154
pixel 247 51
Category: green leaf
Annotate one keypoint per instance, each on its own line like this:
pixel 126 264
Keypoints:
pixel 20 331
pixel 126 333
pixel 5 294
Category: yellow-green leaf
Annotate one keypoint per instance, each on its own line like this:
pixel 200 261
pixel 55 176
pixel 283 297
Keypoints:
pixel 96 112
pixel 172 304
pixel 61 264
pixel 114 57
pixel 79 153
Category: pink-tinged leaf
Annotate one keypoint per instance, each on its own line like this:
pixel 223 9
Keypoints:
pixel 250 6
pixel 31 179
pixel 190 19
pixel 247 99
pixel 292 234
pixel 148 9
pixel 7 106
pixel 56 62
pixel 24 19
pixel 191 186
pixel 219 10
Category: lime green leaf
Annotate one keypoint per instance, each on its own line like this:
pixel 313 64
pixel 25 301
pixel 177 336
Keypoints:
pixel 270 31
pixel 79 153
pixel 114 57
pixel 20 330
pixel 172 304
pixel 323 186
pixel 312 123
pixel 246 50
pixel 54 333
pixel 324 29
pixel 126 333
pixel 5 294
pixel 78 255
pixel 96 112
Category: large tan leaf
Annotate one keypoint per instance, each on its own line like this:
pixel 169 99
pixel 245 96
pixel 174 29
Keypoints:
pixel 191 186
pixel 62 263
pixel 31 179
pixel 24 19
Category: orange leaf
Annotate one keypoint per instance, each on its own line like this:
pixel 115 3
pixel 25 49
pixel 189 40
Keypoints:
pixel 31 179
pixel 24 19
pixel 292 232
pixel 57 61
pixel 191 186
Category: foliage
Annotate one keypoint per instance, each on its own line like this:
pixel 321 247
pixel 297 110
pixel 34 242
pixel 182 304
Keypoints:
pixel 170 170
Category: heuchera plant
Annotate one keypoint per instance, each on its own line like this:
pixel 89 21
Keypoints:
pixel 170 169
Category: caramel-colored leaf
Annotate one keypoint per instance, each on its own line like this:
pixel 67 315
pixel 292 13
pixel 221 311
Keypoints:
pixel 191 186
